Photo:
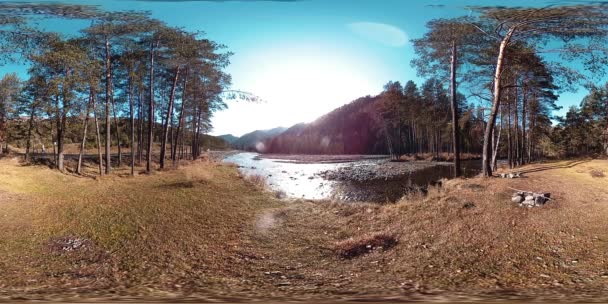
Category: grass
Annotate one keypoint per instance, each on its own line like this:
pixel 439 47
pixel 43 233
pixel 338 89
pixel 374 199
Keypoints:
pixel 169 231
pixel 447 157
pixel 206 230
pixel 597 173
pixel 464 238
pixel 354 247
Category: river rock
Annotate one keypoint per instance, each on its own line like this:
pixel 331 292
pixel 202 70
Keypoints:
pixel 540 200
pixel 531 199
pixel 528 203
pixel 517 199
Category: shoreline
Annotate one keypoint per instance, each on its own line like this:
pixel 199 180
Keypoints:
pixel 321 158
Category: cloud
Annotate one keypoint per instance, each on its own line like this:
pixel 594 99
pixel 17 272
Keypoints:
pixel 379 32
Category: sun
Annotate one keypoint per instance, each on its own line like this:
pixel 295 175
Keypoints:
pixel 305 88
pixel 298 85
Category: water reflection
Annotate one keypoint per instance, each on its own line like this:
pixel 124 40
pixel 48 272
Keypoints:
pixel 304 180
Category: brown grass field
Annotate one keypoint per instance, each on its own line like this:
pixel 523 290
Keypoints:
pixel 202 232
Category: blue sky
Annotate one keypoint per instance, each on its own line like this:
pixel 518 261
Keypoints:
pixel 304 58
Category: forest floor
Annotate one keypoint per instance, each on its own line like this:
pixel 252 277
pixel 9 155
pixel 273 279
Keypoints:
pixel 203 232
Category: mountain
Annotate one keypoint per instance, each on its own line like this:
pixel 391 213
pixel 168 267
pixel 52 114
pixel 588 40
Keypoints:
pixel 354 128
pixel 251 141
pixel 229 138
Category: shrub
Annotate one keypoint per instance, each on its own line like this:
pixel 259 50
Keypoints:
pixel 256 180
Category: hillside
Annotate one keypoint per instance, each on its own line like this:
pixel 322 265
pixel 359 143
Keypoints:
pixel 351 129
pixel 17 135
pixel 229 138
pixel 250 140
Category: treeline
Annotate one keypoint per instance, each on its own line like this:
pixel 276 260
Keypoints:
pixel 42 144
pixel 401 120
pixel 127 80
pixel 498 55
pixel 583 130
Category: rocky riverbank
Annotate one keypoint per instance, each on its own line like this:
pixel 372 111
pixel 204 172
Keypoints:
pixel 320 159
pixel 378 170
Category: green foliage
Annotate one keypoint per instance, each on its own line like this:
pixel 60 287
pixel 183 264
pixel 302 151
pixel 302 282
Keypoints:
pixel 584 129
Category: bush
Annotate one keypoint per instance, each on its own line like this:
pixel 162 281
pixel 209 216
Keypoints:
pixel 256 180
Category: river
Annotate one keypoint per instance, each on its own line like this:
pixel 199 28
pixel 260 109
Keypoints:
pixel 370 179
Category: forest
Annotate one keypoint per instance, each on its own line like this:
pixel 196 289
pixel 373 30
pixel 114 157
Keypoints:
pixel 132 83
pixel 508 115
pixel 127 82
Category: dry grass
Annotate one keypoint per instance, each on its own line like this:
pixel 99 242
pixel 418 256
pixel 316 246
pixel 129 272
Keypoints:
pixel 354 247
pixel 597 173
pixel 448 157
pixel 465 237
pixel 174 231
pixel 204 229
pixel 257 180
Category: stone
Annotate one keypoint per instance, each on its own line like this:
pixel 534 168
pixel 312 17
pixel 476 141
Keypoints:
pixel 517 199
pixel 529 203
pixel 468 205
pixel 530 198
pixel 540 200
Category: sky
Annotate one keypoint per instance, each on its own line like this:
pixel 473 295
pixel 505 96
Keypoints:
pixel 303 58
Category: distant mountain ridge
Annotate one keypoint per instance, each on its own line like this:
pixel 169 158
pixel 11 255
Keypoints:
pixel 354 128
pixel 253 141
pixel 229 138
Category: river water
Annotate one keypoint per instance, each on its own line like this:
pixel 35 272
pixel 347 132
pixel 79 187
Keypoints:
pixel 370 180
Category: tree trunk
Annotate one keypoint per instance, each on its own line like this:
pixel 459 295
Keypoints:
pixel 517 133
pixel 486 165
pixel 140 131
pixel 180 124
pixel 195 143
pixel 150 112
pixel 132 117
pixel 58 145
pixel 109 94
pixel 97 132
pixel 494 155
pixel 455 114
pixel 163 146
pixel 509 136
pixel 84 137
pixel 116 126
pixel 29 133
pixel 523 124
